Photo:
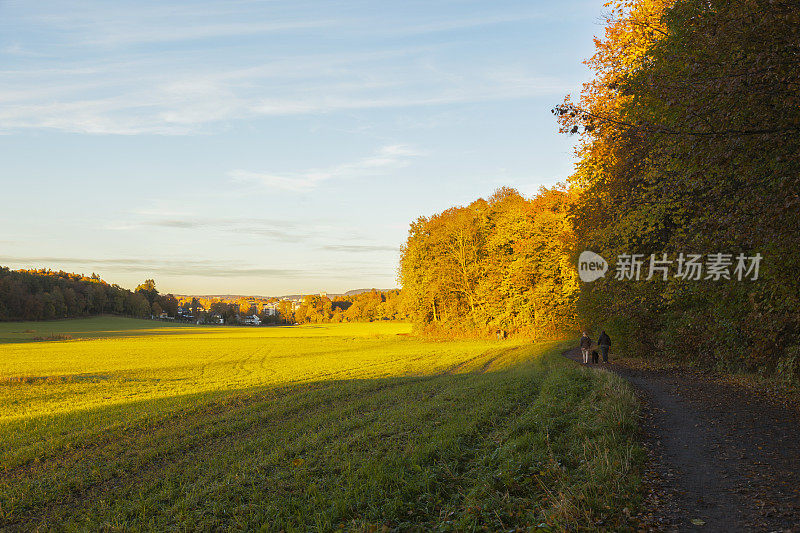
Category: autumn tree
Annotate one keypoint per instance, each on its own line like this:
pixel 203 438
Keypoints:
pixel 500 264
pixel 148 290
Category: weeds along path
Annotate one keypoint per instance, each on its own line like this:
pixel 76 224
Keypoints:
pixel 722 456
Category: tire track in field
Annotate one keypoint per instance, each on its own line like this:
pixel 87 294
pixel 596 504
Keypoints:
pixel 489 363
pixel 458 366
pixel 239 365
pixel 211 362
pixel 487 354
pixel 503 354
pixel 242 367
pixel 349 372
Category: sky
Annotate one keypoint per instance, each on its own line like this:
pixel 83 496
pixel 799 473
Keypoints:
pixel 270 147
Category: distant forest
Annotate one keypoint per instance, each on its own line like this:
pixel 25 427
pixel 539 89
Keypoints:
pixel 47 294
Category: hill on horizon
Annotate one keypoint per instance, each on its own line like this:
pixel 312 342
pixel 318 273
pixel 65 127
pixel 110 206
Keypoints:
pixel 356 292
pixel 353 292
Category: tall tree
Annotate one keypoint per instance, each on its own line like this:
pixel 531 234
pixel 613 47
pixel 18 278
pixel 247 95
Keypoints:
pixel 148 290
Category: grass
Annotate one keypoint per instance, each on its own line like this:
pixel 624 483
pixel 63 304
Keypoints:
pixel 86 328
pixel 137 425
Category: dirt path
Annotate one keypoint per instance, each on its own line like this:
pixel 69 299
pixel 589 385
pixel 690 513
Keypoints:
pixel 720 455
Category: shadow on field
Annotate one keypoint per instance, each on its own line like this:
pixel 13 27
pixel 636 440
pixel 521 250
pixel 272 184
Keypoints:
pixel 45 335
pixel 533 442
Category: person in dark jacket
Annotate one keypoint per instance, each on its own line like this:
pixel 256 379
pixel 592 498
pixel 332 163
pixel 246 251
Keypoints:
pixel 604 342
pixel 586 343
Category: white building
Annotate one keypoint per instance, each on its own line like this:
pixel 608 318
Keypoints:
pixel 251 320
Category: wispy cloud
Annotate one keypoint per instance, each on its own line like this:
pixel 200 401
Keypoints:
pixel 319 234
pixel 18 50
pixel 461 23
pixel 160 33
pixel 171 69
pixel 189 267
pixel 389 157
pixel 196 268
pixel 280 230
pixel 358 248
pixel 154 105
pixel 98 23
pixel 277 230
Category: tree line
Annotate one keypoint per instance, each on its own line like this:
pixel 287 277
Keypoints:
pixel 367 306
pixel 48 294
pixel 314 308
pixel 689 148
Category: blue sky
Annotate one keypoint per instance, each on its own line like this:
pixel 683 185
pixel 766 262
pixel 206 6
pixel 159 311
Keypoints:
pixel 270 147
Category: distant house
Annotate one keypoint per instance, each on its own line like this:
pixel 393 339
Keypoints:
pixel 188 311
pixel 269 309
pixel 216 318
pixel 163 315
pixel 251 320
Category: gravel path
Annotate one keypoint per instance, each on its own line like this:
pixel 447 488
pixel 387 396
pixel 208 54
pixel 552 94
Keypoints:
pixel 722 456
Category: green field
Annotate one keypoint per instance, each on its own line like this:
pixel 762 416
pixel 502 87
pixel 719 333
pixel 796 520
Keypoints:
pixel 145 425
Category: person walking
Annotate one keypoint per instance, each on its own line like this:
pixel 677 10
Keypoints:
pixel 586 344
pixel 605 343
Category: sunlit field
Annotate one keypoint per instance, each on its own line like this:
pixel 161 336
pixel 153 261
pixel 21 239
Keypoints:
pixel 148 425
